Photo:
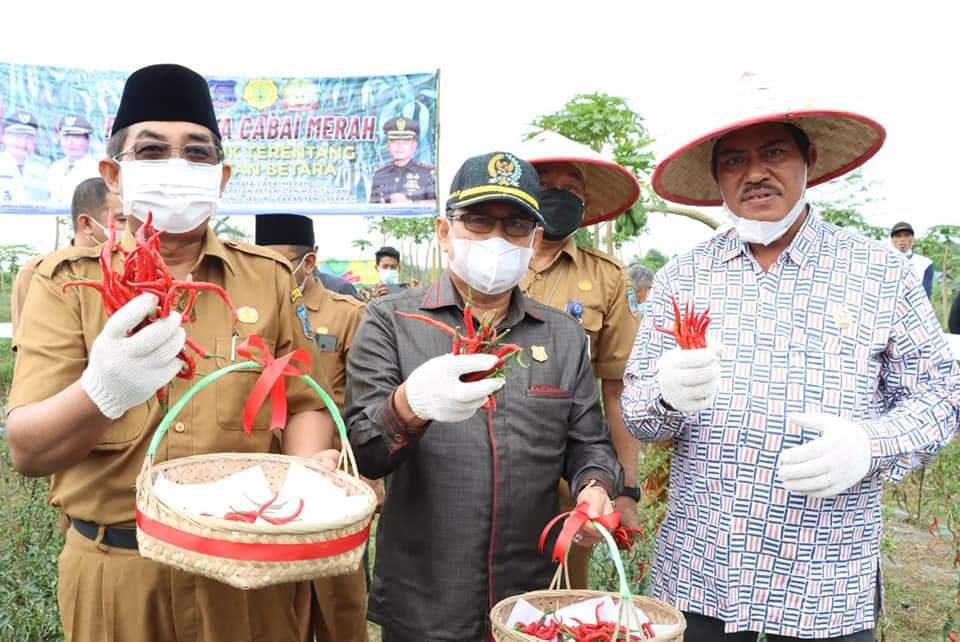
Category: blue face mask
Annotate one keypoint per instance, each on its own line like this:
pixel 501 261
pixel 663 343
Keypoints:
pixel 643 308
pixel 388 276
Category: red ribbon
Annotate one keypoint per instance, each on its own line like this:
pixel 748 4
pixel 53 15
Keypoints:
pixel 576 518
pixel 249 551
pixel 270 381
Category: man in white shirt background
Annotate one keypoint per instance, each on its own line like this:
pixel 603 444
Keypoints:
pixel 901 237
pixel 73 134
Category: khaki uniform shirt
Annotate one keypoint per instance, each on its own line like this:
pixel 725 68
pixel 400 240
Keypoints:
pixel 333 321
pixel 58 328
pixel 607 309
pixel 21 283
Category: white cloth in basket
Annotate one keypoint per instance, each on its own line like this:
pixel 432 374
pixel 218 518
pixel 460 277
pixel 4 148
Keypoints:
pixel 323 501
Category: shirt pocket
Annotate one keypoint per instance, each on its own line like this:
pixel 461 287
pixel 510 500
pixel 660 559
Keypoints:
pixel 233 389
pixel 126 430
pixel 841 377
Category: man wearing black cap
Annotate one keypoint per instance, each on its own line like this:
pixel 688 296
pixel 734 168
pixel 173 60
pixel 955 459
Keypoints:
pixel 901 238
pixel 334 609
pixel 73 133
pixel 292 226
pixel 22 175
pixel 404 179
pixel 82 406
pixel 469 492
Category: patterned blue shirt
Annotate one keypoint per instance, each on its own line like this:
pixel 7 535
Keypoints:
pixel 838 325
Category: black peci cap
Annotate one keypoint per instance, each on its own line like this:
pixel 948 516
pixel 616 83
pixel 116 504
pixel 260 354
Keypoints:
pixel 284 229
pixel 166 93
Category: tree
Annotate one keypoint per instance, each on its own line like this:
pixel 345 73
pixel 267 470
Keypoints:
pixel 941 244
pixel 654 259
pixel 410 232
pixel 604 122
pixel 11 258
pixel 842 201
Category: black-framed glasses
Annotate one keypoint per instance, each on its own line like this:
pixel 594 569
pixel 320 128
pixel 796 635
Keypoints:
pixel 200 153
pixel 514 226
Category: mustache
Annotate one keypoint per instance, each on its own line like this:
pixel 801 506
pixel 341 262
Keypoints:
pixel 752 188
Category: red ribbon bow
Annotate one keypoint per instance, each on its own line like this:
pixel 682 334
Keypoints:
pixel 270 381
pixel 575 519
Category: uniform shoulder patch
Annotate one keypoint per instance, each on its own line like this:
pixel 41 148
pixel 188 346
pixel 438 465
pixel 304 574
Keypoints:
pixel 257 250
pixel 47 265
pixel 347 298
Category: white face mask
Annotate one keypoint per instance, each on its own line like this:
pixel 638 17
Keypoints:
pixel 388 276
pixel 766 232
pixel 303 284
pixel 181 195
pixel 493 265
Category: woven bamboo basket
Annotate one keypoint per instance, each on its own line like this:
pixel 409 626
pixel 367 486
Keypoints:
pixel 556 597
pixel 249 556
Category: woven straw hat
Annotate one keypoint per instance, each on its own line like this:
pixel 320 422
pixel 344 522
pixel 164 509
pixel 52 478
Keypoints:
pixel 610 188
pixel 843 140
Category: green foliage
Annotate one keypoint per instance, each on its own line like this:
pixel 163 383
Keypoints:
pixel 842 202
pixel 7 358
pixel 653 259
pixel 28 557
pixel 415 229
pixel 12 256
pixel 636 562
pixel 602 122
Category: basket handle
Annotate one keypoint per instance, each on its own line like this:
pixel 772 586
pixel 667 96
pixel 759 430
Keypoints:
pixel 347 461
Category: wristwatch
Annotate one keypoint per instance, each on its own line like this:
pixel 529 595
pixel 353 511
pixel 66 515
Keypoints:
pixel 633 492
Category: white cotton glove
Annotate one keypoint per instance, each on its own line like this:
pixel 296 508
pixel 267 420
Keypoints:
pixel 689 378
pixel 435 392
pixel 124 371
pixel 830 464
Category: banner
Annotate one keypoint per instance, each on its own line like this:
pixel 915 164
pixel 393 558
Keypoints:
pixel 363 145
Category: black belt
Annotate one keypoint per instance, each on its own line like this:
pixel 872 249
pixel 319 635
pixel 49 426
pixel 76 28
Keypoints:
pixel 112 536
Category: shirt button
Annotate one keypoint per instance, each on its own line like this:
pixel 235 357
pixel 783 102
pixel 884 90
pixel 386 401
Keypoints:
pixel 539 276
pixel 179 427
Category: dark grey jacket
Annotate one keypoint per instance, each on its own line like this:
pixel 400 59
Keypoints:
pixel 465 503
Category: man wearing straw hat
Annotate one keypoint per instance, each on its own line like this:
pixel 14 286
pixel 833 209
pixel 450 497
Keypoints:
pixel 826 374
pixel 579 187
pixel 469 492
pixel 82 407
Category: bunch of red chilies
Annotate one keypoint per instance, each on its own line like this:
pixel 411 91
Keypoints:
pixel 484 341
pixel 602 631
pixel 145 271
pixel 251 516
pixel 689 329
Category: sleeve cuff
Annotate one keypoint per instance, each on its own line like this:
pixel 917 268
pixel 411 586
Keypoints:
pixel 397 434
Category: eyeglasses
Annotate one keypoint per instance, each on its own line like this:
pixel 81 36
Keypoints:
pixel 516 227
pixel 155 150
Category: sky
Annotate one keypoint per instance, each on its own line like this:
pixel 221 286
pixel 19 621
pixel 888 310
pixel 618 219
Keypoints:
pixel 503 64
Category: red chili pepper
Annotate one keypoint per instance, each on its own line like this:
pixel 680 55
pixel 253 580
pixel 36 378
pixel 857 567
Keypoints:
pixel 689 329
pixel 145 271
pixel 288 518
pixel 439 325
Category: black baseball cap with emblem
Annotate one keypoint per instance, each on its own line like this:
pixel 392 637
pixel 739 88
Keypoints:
pixel 902 226
pixel 497 176
pixel 20 122
pixel 166 93
pixel 284 229
pixel 401 128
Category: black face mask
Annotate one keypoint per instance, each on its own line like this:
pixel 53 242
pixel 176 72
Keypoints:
pixel 563 212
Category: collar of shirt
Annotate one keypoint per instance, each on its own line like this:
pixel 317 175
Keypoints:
pixel 569 248
pixel 212 246
pixel 804 245
pixel 443 294
pixel 314 295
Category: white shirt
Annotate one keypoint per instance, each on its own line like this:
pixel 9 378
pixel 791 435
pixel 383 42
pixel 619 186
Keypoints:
pixel 22 182
pixel 64 176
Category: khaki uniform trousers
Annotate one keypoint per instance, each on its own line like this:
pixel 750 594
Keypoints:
pixel 114 595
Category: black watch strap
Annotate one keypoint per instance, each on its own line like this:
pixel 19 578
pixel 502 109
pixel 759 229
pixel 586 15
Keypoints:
pixel 633 492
